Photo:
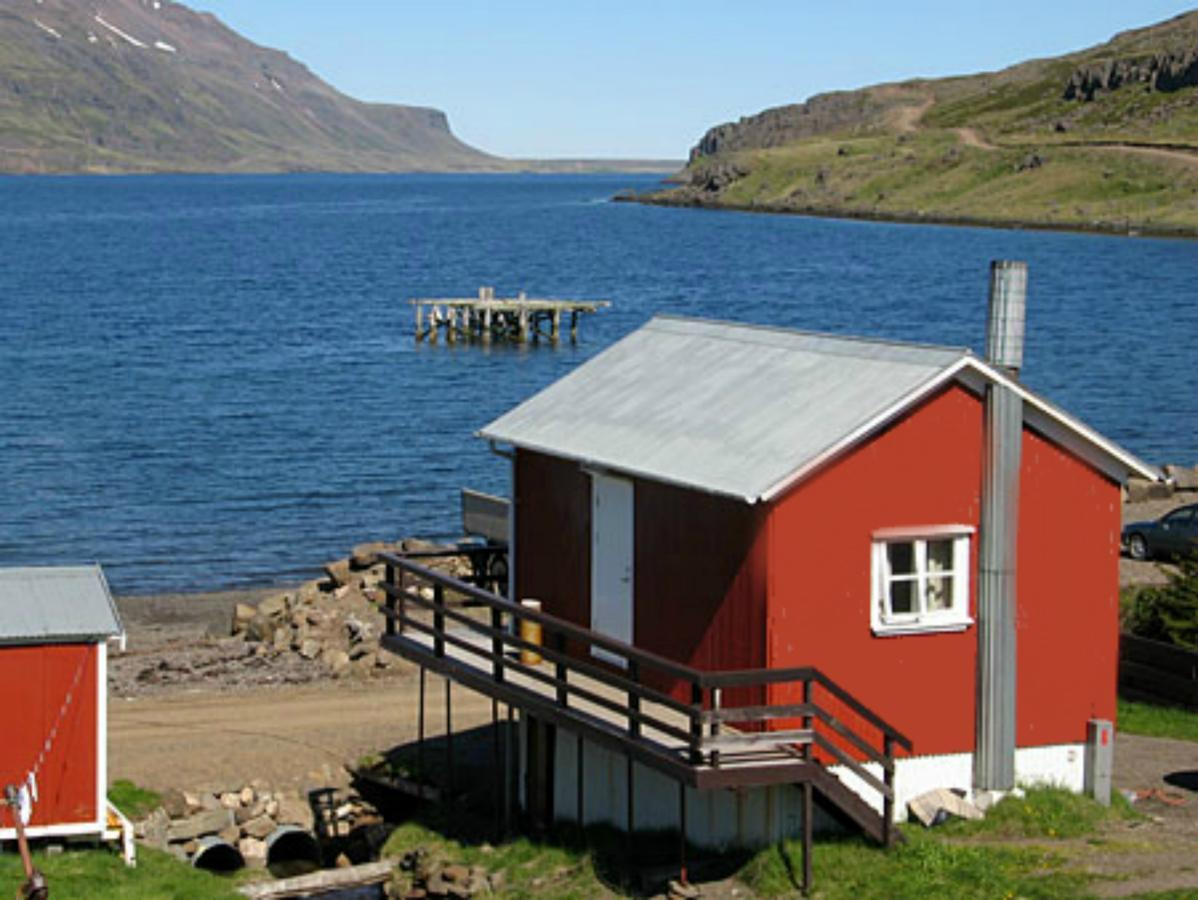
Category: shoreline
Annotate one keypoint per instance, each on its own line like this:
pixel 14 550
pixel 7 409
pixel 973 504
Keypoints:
pixel 1109 230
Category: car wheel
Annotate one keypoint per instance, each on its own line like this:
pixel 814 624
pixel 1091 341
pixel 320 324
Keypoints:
pixel 1137 547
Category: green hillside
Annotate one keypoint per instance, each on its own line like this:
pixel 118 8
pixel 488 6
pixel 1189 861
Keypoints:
pixel 1106 138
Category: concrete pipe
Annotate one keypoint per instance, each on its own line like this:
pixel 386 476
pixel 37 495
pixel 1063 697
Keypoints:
pixel 215 855
pixel 290 850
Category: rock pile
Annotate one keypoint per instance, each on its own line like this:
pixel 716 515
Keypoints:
pixel 244 818
pixel 1179 479
pixel 334 622
pixel 419 875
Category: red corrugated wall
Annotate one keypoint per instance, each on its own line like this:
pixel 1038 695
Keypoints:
pixel 34 681
pixel 1068 586
pixel 699 564
pixel 923 470
pixel 700 581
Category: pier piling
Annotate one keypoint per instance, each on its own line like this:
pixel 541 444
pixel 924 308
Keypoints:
pixel 487 318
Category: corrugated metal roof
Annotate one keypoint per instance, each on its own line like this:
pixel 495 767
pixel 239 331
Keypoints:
pixel 60 603
pixel 725 408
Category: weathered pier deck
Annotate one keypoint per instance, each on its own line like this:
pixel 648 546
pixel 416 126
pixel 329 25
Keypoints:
pixel 488 318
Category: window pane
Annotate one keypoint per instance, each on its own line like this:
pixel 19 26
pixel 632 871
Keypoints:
pixel 940 556
pixel 902 597
pixel 939 592
pixel 902 558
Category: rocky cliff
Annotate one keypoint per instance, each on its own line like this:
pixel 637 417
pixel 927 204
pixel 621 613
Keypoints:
pixel 1104 138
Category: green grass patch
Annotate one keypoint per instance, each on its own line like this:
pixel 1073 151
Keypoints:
pixel 926 866
pixel 1043 812
pixel 561 869
pixel 1157 721
pixel 101 874
pixel 135 802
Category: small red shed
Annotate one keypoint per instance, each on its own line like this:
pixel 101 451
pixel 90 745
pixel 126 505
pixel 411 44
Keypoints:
pixel 55 624
pixel 733 497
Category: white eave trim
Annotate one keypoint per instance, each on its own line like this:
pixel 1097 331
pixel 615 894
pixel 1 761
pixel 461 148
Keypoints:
pixel 1050 415
pixel 866 428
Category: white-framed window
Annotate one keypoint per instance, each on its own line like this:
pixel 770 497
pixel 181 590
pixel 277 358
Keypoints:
pixel 920 579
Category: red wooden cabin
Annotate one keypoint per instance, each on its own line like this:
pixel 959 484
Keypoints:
pixel 55 624
pixel 737 497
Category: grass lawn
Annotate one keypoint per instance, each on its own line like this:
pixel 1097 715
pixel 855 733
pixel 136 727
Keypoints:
pixel 100 874
pixel 1024 848
pixel 1157 721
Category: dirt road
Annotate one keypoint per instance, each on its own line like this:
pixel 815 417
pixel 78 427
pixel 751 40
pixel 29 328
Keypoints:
pixel 290 737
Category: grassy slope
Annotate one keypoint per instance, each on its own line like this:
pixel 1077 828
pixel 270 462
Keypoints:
pixel 965 158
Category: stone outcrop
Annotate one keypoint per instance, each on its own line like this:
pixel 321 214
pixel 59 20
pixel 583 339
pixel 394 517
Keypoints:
pixel 822 114
pixel 1158 72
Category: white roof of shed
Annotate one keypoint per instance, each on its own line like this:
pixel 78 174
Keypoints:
pixel 53 604
pixel 746 411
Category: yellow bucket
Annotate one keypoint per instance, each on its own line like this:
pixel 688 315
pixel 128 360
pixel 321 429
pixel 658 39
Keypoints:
pixel 531 632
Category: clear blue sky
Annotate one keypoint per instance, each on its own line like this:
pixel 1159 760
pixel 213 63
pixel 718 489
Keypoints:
pixel 646 78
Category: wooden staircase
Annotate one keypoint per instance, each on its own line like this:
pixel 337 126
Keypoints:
pixel 702 743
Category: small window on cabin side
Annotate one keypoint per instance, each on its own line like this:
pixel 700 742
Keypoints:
pixel 920 580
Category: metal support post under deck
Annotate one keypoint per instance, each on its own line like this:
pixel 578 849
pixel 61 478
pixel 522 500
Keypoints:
pixel 682 832
pixel 808 832
pixel 582 822
pixel 420 727
pixel 496 766
pixel 448 739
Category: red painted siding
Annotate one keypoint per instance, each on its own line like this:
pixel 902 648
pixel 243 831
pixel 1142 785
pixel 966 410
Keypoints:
pixel 34 681
pixel 700 579
pixel 699 563
pixel 923 470
pixel 1068 586
pixel 553 535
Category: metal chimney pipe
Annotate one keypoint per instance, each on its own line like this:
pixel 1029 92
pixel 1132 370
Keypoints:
pixel 994 760
pixel 1005 322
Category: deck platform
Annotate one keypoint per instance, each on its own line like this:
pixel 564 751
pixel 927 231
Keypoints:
pixel 487 318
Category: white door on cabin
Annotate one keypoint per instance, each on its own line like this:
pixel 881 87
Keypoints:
pixel 611 561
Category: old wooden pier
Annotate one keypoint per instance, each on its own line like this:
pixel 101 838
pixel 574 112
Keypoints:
pixel 488 318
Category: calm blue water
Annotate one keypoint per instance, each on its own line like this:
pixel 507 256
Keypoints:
pixel 211 381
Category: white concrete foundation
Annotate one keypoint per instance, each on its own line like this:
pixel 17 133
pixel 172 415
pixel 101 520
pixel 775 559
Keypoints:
pixel 752 817
pixel 757 817
pixel 1062 765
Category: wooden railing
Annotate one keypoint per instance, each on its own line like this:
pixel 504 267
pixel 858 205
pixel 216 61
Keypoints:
pixel 704 732
pixel 1157 672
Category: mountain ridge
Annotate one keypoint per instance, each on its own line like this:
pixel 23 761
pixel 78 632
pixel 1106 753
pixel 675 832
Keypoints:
pixel 1102 138
pixel 154 86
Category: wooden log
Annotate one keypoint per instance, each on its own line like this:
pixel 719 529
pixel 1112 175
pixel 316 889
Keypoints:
pixel 319 882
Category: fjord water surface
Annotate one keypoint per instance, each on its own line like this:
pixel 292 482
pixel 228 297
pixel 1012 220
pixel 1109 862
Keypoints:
pixel 212 381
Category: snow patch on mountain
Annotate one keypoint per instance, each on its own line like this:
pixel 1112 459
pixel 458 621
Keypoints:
pixel 46 28
pixel 121 34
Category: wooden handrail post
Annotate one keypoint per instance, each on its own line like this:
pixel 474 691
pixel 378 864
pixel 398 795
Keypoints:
pixel 715 725
pixel 497 643
pixel 559 644
pixel 438 620
pixel 389 599
pixel 634 700
pixel 807 720
pixel 888 779
pixel 696 747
